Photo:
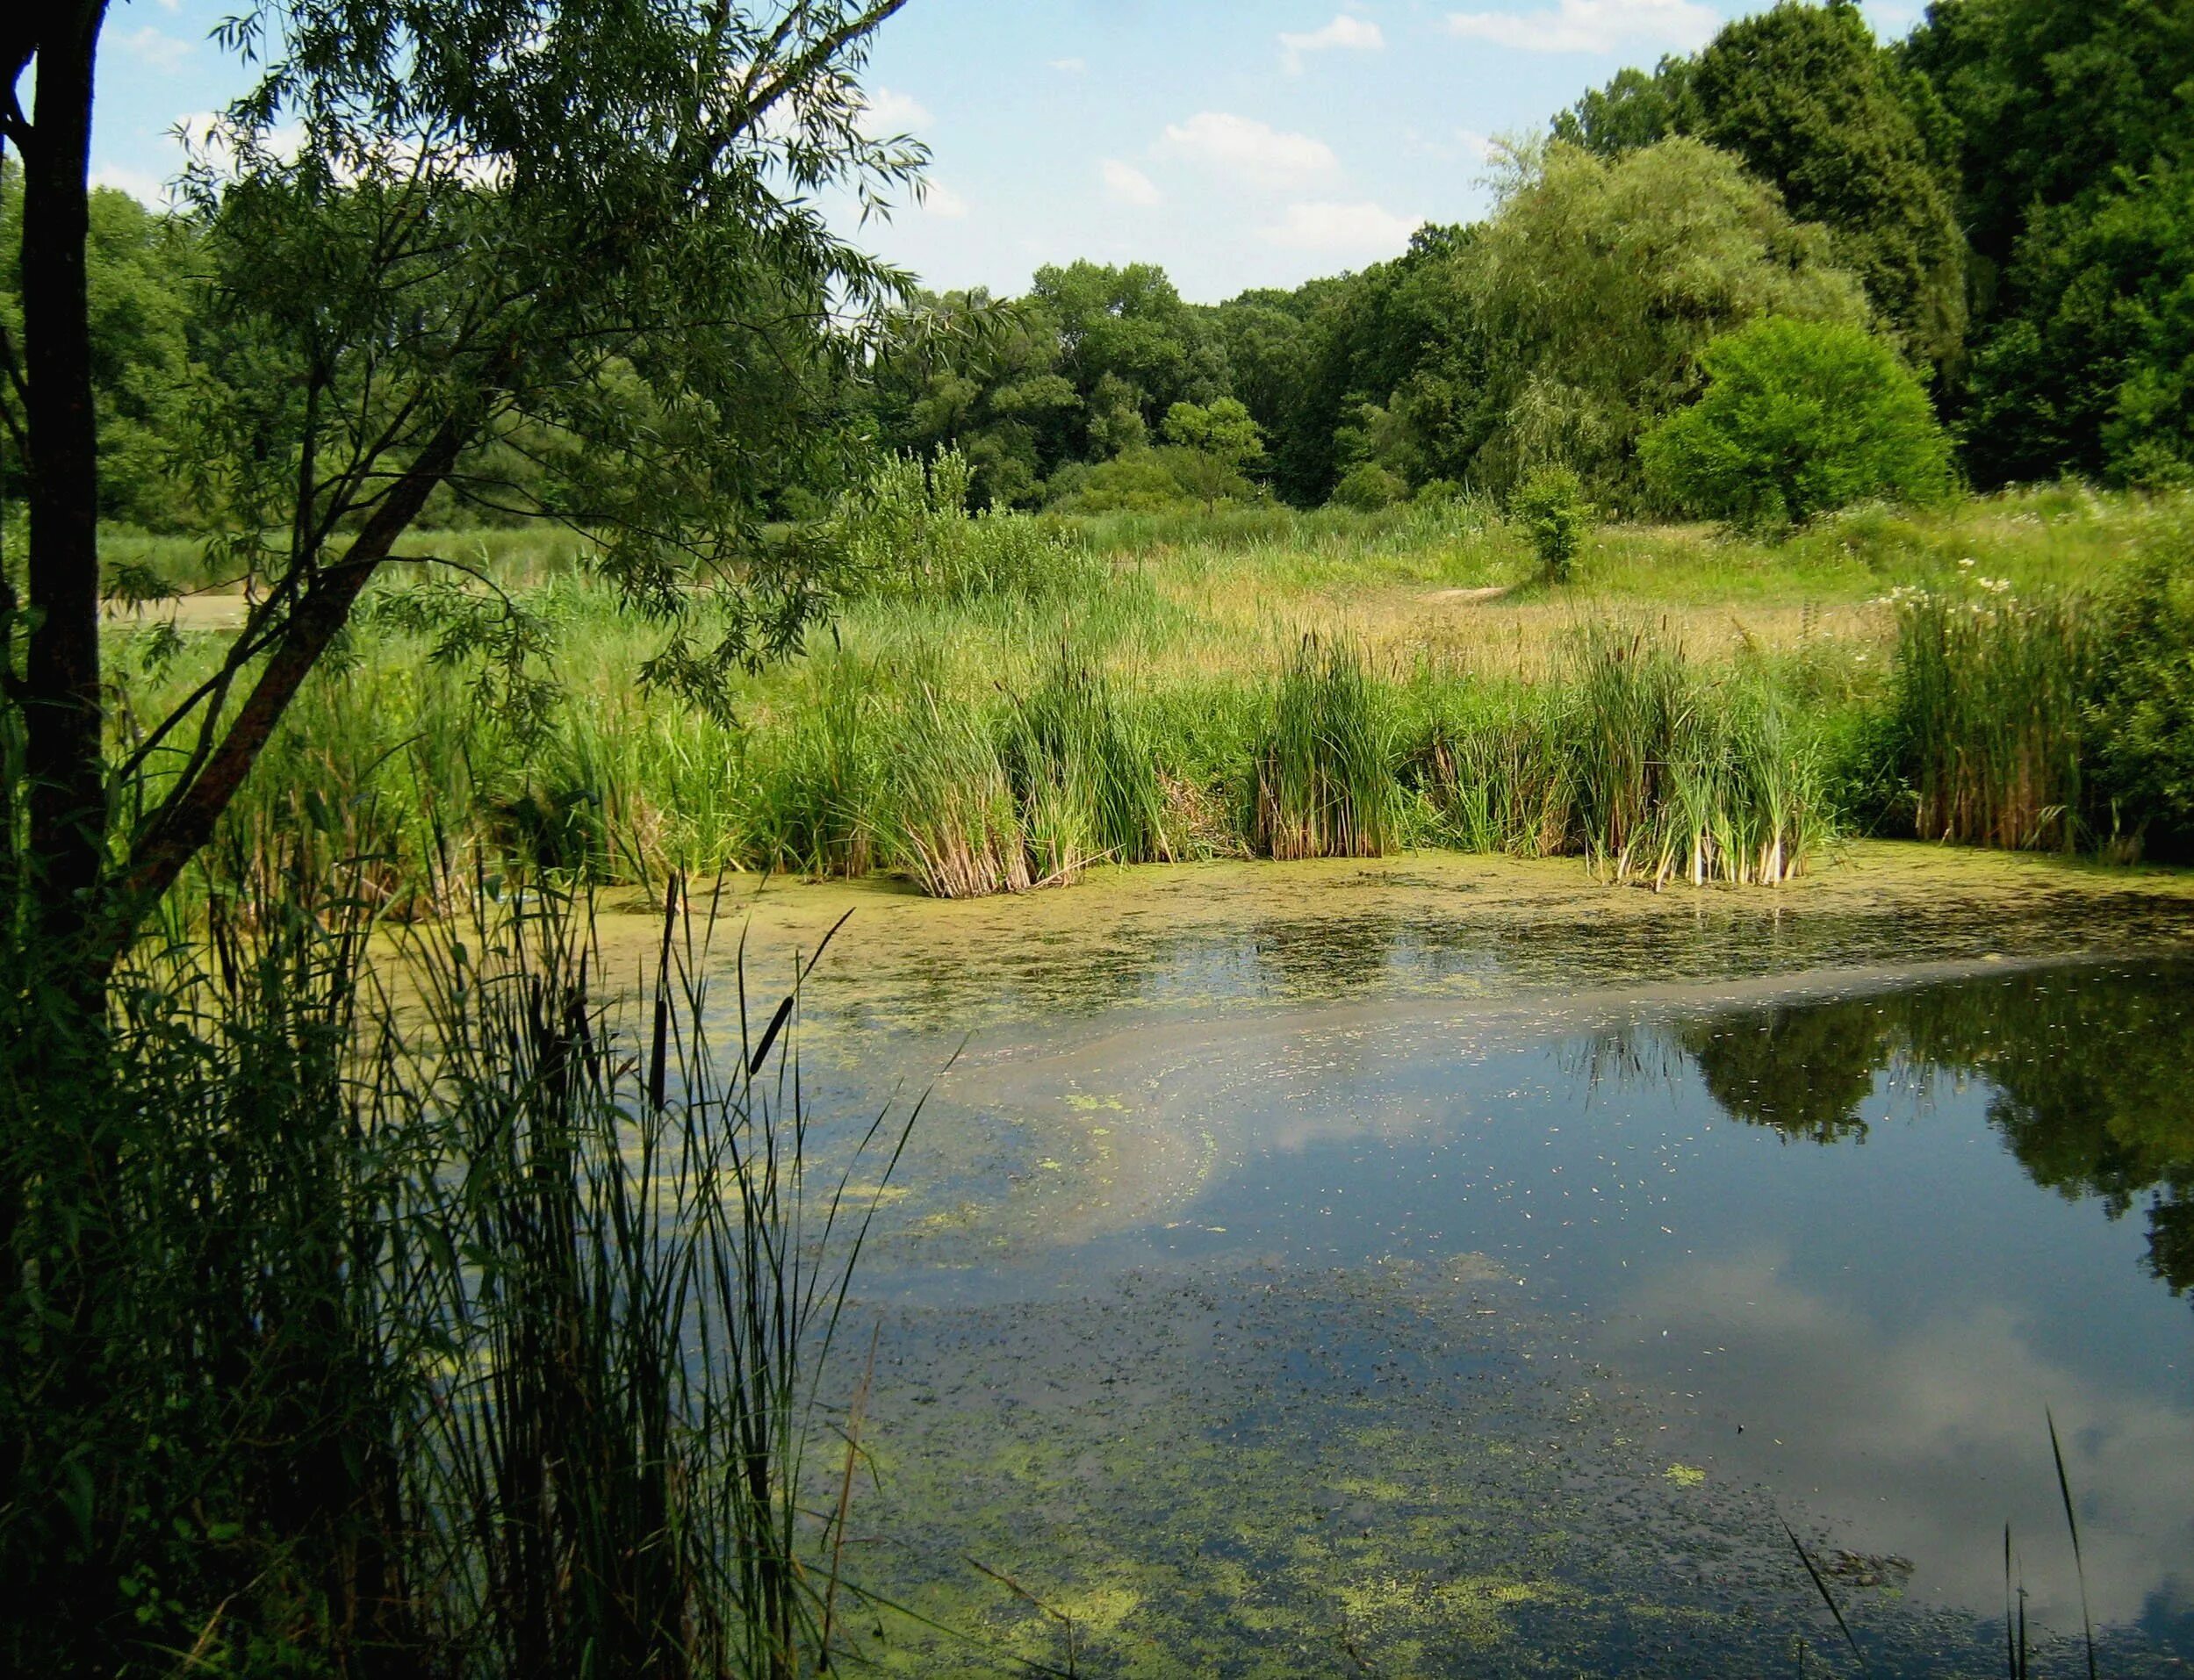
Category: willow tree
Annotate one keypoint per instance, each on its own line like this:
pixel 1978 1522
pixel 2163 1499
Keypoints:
pixel 1599 282
pixel 442 233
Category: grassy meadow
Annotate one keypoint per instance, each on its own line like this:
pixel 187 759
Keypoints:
pixel 1691 705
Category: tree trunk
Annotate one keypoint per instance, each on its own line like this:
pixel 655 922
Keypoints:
pixel 185 823
pixel 63 714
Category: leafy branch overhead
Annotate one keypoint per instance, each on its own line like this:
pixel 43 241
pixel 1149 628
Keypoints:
pixel 563 262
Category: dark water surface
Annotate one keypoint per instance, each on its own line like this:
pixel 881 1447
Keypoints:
pixel 1371 1331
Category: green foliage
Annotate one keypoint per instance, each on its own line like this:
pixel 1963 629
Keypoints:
pixel 1131 348
pixel 1798 419
pixel 2141 714
pixel 419 270
pixel 1367 487
pixel 2050 101
pixel 1222 447
pixel 1847 133
pixel 1599 283
pixel 1137 481
pixel 2072 123
pixel 1551 506
pixel 148 332
pixel 1805 95
pixel 2089 370
pixel 1635 110
pixel 908 530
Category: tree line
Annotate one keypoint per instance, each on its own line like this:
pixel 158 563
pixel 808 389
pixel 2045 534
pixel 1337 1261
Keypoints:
pixel 2001 199
pixel 1998 198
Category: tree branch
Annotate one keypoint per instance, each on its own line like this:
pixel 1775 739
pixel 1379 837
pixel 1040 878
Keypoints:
pixel 185 819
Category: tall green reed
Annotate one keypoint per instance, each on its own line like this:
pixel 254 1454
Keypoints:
pixel 1323 780
pixel 952 819
pixel 417 1310
pixel 1990 692
pixel 1072 740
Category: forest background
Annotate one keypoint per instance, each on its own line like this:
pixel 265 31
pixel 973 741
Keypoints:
pixel 2001 196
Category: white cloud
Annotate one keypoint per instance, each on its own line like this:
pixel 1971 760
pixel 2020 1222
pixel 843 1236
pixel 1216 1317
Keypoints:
pixel 937 200
pixel 1344 33
pixel 1071 66
pixel 891 112
pixel 148 190
pixel 1248 150
pixel 151 47
pixel 1593 25
pixel 1344 230
pixel 1125 184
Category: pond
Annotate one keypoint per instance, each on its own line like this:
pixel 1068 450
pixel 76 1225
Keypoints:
pixel 1428 1274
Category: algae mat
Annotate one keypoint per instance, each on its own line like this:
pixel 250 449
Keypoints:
pixel 1442 1266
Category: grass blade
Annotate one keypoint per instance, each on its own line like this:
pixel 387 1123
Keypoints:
pixel 1827 1598
pixel 2079 1564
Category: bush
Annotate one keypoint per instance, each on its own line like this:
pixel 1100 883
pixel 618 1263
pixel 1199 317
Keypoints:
pixel 907 531
pixel 1138 481
pixel 1369 487
pixel 1554 512
pixel 2142 712
pixel 1798 419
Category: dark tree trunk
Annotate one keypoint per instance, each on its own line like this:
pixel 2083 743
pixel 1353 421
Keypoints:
pixel 186 822
pixel 63 714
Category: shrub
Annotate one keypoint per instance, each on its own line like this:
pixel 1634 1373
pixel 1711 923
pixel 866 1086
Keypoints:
pixel 1369 487
pixel 2142 712
pixel 1141 480
pixel 1554 512
pixel 907 531
pixel 1798 418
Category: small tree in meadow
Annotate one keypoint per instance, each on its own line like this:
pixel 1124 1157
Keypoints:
pixel 1553 511
pixel 1799 417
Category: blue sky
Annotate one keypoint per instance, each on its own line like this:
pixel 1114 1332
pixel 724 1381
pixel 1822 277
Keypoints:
pixel 1237 142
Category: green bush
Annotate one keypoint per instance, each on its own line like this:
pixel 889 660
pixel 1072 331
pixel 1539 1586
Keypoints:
pixel 1141 480
pixel 1369 487
pixel 907 531
pixel 1553 511
pixel 1799 417
pixel 2141 716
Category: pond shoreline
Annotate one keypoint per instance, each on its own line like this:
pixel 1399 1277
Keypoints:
pixel 1425 924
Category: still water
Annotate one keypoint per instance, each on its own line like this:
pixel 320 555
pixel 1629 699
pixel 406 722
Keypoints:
pixel 1290 1311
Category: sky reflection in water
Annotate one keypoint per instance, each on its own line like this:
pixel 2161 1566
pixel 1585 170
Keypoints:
pixel 1879 1233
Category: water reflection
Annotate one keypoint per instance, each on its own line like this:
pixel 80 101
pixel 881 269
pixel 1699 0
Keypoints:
pixel 1827 1260
pixel 2088 1074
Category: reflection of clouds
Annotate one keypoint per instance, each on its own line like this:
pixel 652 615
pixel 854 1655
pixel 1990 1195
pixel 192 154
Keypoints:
pixel 1923 1438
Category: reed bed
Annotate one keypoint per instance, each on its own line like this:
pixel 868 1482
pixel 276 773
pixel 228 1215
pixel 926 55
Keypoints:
pixel 423 1313
pixel 1992 693
pixel 1323 781
pixel 1649 763
pixel 1002 704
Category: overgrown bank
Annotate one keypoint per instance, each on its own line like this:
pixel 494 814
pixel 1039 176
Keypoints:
pixel 1003 704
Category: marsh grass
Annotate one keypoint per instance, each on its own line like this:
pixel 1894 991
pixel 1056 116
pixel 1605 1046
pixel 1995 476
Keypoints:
pixel 1323 780
pixel 1991 690
pixel 424 1314
pixel 1003 726
pixel 1489 770
pixel 951 816
pixel 1072 744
